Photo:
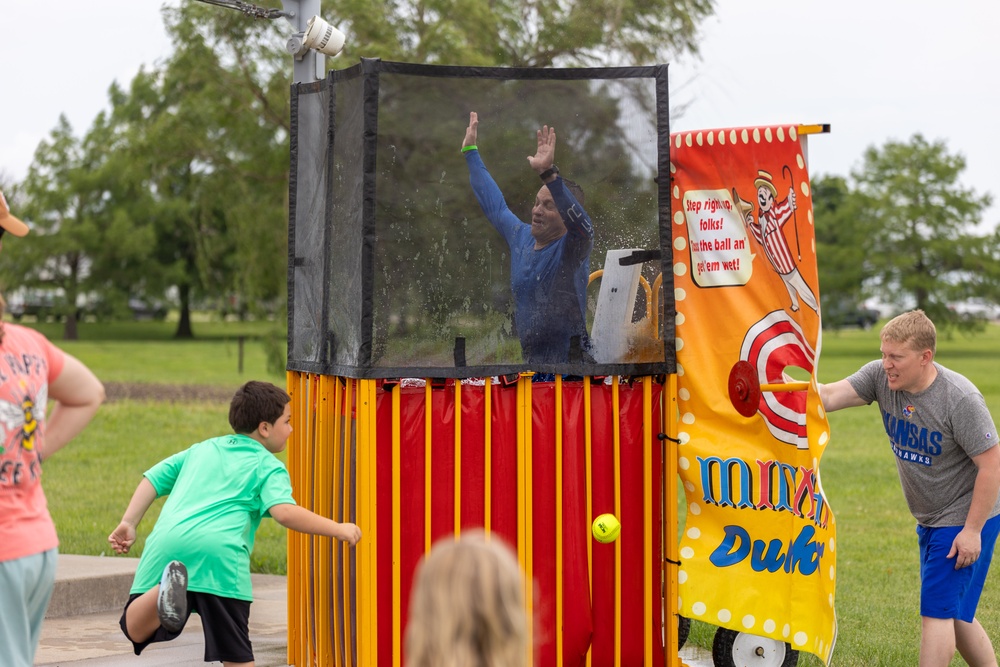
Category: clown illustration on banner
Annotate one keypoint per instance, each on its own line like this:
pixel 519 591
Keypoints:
pixel 758 551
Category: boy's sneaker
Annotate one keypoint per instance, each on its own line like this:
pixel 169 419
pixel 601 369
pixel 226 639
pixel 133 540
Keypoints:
pixel 171 604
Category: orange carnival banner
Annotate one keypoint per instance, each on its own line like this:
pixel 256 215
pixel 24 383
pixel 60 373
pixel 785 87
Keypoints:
pixel 758 550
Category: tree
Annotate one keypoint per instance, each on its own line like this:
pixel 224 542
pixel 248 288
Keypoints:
pixel 188 171
pixel 79 243
pixel 839 227
pixel 205 135
pixel 519 33
pixel 916 227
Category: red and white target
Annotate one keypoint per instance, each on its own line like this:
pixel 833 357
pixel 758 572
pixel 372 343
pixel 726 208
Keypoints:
pixel 772 345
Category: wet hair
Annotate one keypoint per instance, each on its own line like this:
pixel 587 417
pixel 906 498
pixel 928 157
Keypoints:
pixel 577 191
pixel 256 402
pixel 913 327
pixel 467 606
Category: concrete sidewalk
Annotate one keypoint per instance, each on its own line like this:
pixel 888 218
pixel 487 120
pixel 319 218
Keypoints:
pixel 81 627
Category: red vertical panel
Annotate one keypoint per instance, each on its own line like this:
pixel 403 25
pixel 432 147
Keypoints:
pixel 473 457
pixel 411 492
pixel 634 622
pixel 577 617
pixel 543 516
pixel 630 425
pixel 443 457
pixel 655 475
pixel 504 464
pixel 603 500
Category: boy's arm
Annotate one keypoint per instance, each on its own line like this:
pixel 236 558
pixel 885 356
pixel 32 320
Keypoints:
pixel 302 520
pixel 123 536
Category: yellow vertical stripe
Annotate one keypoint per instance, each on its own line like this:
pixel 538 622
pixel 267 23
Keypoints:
pixel 672 521
pixel 348 471
pixel 488 455
pixel 428 463
pixel 366 579
pixel 559 522
pixel 339 483
pixel 324 507
pixel 617 452
pixel 529 504
pixel 520 474
pixel 361 492
pixel 523 482
pixel 306 541
pixel 458 457
pixel 588 472
pixel 648 586
pixel 294 579
pixel 397 518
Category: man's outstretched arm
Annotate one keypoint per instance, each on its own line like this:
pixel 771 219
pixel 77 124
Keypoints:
pixel 839 395
pixel 487 192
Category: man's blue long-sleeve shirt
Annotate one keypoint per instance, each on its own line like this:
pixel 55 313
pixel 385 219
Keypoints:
pixel 549 284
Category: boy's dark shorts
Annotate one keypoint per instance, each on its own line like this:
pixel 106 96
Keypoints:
pixel 225 622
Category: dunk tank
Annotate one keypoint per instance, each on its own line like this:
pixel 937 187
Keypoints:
pixel 417 417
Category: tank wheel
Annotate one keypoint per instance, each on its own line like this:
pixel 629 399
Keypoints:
pixel 740 649
pixel 683 630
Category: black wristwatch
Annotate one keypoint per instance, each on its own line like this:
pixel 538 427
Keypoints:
pixel 551 171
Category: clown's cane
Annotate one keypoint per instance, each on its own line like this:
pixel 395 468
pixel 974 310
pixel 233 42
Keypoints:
pixel 795 218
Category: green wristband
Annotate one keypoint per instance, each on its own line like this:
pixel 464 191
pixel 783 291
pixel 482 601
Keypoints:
pixel 473 147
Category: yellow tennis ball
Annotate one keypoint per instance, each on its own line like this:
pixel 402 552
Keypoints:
pixel 606 528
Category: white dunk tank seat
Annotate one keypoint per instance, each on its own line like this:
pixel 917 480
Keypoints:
pixel 614 336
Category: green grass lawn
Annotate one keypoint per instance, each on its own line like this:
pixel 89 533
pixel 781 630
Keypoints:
pixel 90 482
pixel 147 352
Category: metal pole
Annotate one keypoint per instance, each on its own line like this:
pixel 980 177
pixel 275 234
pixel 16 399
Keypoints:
pixel 308 65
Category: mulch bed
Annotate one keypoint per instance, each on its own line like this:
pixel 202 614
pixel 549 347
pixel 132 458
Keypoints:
pixel 167 393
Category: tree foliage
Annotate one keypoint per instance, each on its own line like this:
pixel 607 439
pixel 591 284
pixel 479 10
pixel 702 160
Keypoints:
pixel 81 243
pixel 206 135
pixel 908 226
pixel 182 185
pixel 519 33
pixel 839 226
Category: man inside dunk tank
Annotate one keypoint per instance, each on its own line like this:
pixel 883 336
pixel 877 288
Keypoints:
pixel 456 230
pixel 482 235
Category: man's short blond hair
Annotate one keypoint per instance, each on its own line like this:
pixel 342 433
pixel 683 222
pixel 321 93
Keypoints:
pixel 913 327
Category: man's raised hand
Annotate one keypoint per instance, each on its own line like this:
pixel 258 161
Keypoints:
pixel 545 154
pixel 472 131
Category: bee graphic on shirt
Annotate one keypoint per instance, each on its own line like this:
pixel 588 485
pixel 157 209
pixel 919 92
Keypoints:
pixel 23 417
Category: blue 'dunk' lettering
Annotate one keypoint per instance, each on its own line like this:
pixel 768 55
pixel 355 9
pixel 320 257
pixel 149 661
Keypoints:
pixel 802 554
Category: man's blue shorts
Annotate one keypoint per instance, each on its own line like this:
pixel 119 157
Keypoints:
pixel 944 591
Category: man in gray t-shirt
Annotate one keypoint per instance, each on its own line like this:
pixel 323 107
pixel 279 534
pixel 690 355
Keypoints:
pixel 945 442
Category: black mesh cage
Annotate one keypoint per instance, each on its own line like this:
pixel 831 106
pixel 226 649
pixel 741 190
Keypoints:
pixel 395 270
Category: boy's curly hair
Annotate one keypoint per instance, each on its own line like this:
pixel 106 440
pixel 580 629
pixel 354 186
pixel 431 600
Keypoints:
pixel 256 402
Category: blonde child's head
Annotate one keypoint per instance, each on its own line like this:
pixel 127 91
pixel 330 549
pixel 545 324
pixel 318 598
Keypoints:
pixel 467 606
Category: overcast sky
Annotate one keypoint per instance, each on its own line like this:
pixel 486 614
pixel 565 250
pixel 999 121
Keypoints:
pixel 874 70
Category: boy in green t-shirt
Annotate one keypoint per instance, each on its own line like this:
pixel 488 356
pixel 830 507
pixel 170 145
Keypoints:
pixel 197 557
